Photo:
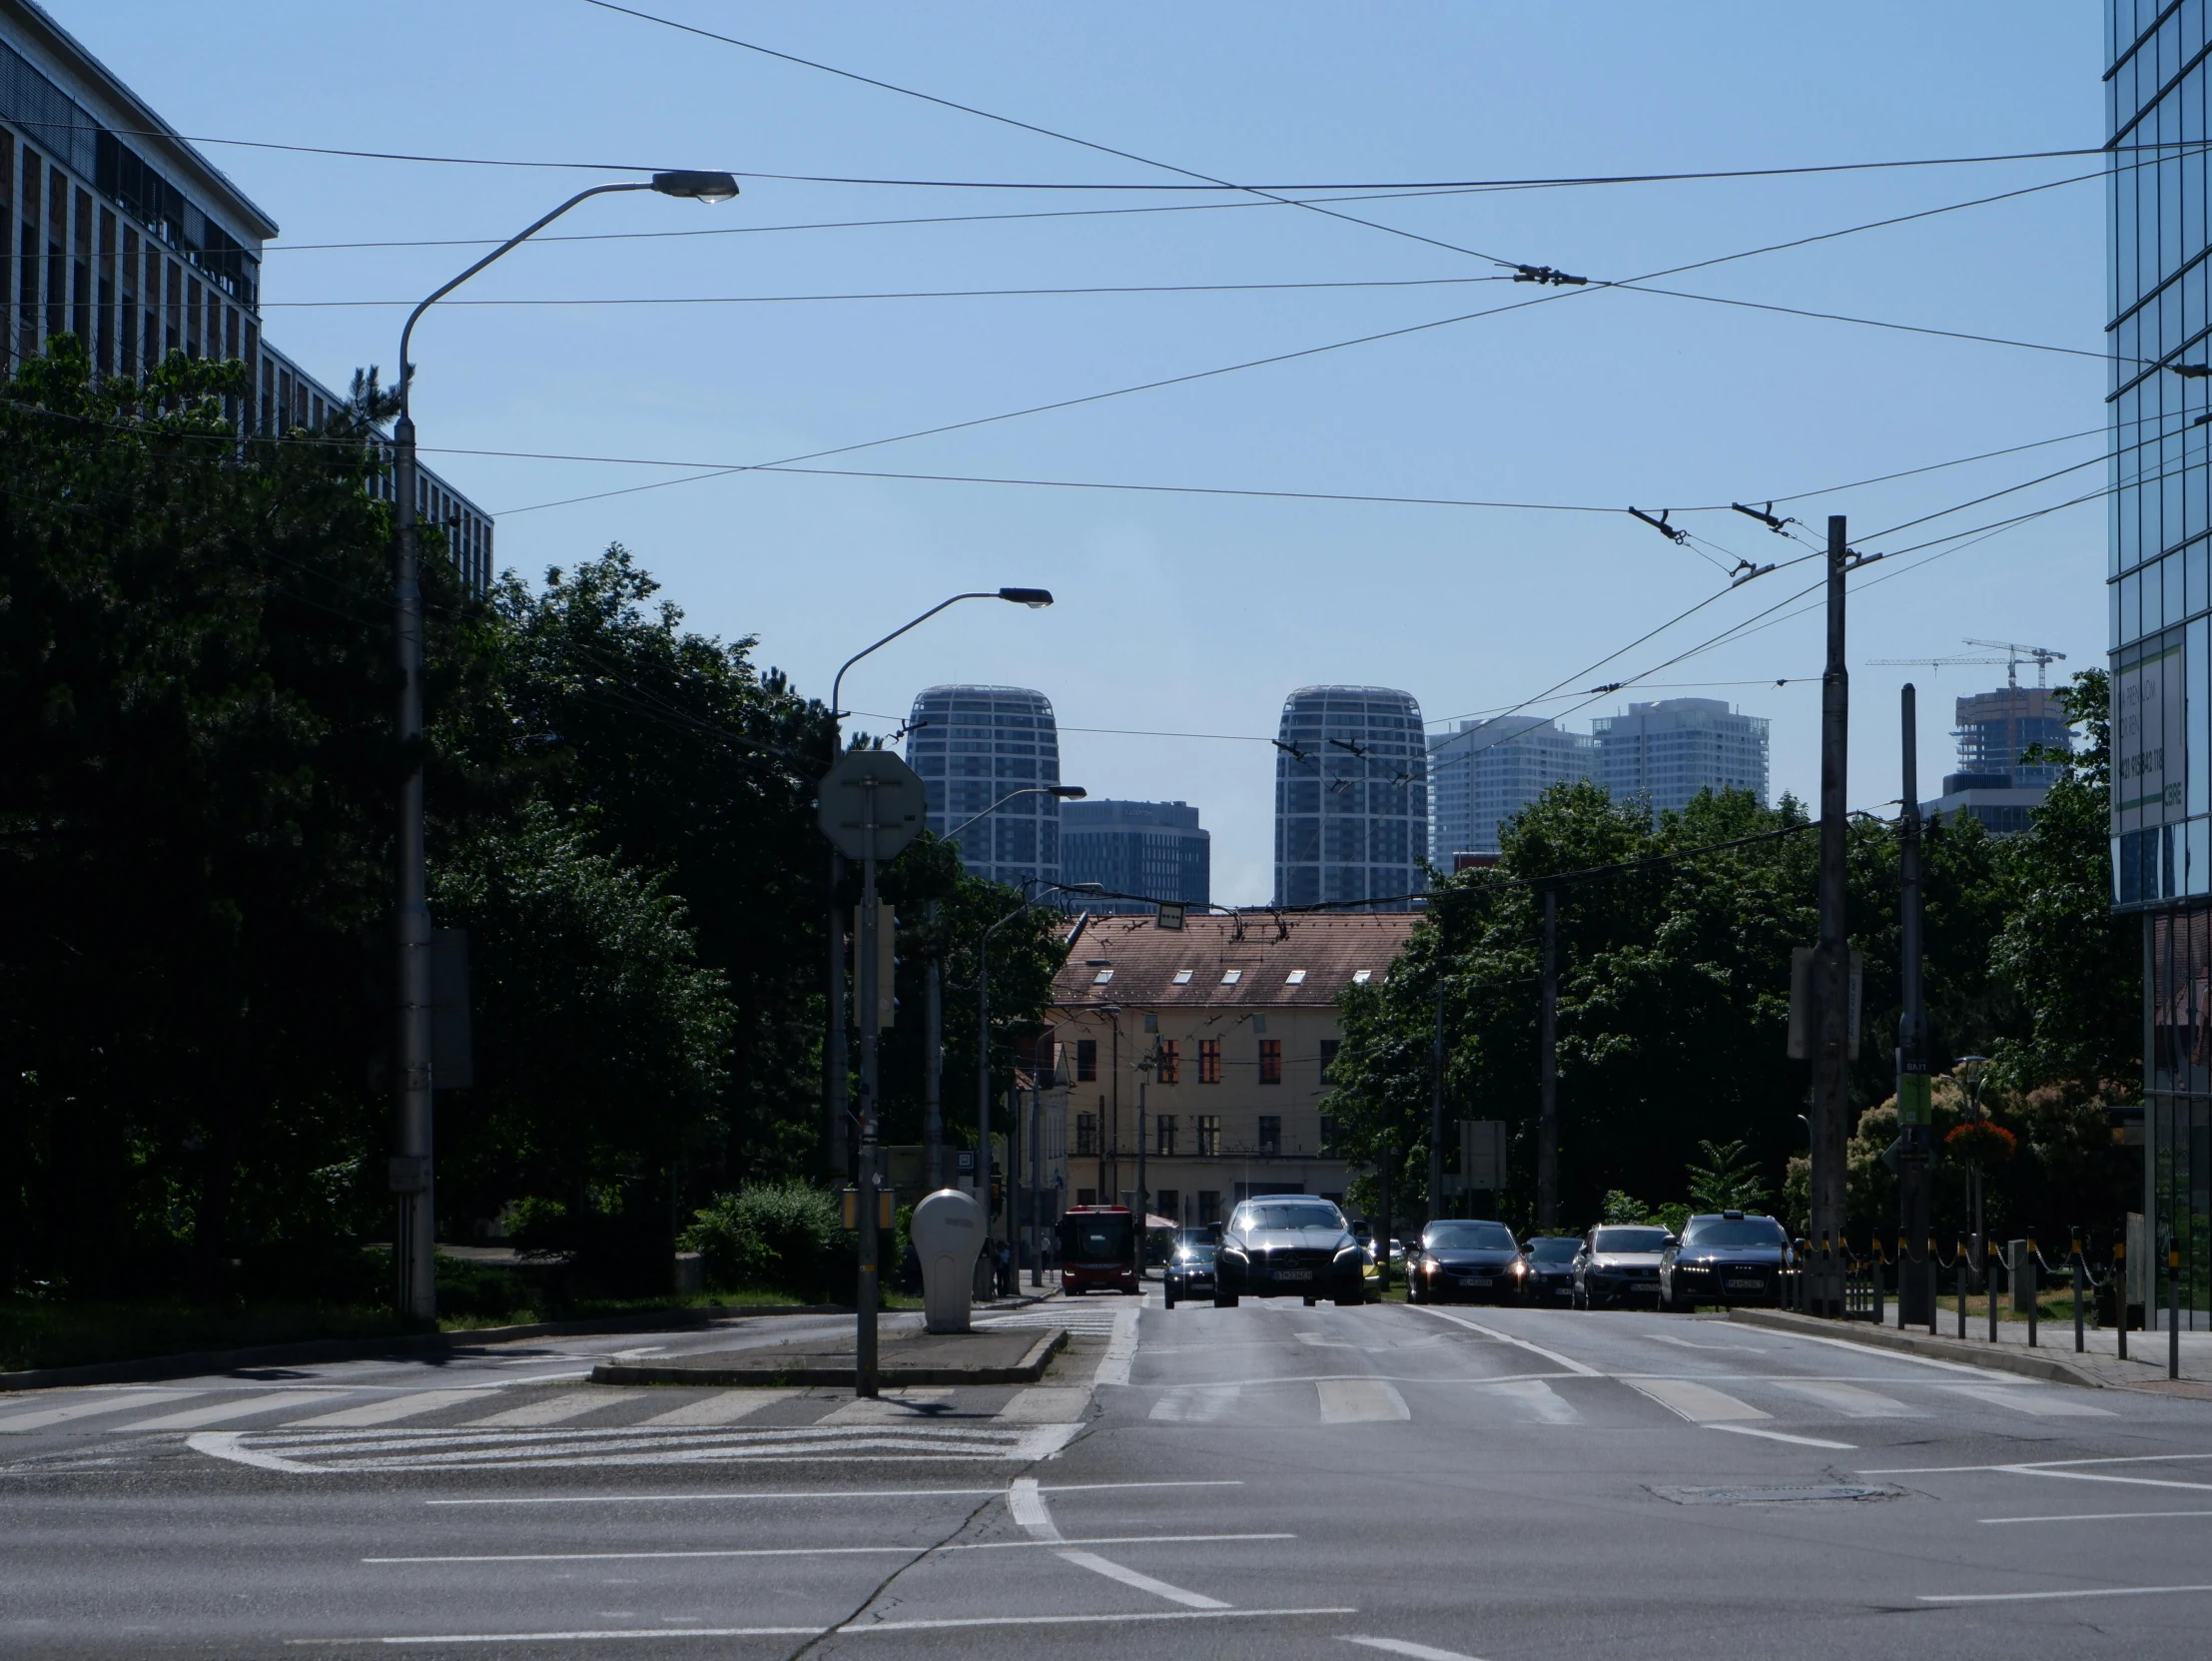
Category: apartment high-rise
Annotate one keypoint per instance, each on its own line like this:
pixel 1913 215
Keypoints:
pixel 2159 278
pixel 1484 773
pixel 1153 849
pixel 1351 798
pixel 975 746
pixel 121 234
pixel 1664 753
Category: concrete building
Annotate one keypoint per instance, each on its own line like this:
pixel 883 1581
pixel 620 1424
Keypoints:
pixel 1994 730
pixel 1209 1045
pixel 1666 752
pixel 2160 604
pixel 976 746
pixel 1485 772
pixel 1153 849
pixel 121 234
pixel 1351 798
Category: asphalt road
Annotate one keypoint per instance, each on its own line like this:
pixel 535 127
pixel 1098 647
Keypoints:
pixel 1268 1482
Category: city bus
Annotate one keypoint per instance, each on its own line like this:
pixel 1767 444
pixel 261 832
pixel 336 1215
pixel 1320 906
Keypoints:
pixel 1097 1249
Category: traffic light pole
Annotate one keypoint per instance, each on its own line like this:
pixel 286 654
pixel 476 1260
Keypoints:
pixel 871 1010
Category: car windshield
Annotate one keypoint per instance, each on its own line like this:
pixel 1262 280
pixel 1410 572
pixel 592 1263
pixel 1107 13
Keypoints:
pixel 1198 1252
pixel 1720 1231
pixel 1469 1236
pixel 1630 1239
pixel 1554 1251
pixel 1311 1215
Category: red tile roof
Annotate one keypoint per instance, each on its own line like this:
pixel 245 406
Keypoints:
pixel 1295 960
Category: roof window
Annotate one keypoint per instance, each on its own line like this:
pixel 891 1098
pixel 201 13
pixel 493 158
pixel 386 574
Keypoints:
pixel 1360 977
pixel 1182 977
pixel 1229 977
pixel 1104 976
pixel 1296 976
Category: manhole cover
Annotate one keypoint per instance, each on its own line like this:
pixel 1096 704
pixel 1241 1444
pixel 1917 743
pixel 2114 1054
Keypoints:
pixel 1791 1494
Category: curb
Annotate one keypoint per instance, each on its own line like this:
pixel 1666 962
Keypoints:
pixel 1027 1370
pixel 309 1350
pixel 2000 1359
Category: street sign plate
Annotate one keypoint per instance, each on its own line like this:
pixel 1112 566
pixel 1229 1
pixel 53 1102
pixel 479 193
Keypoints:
pixel 871 804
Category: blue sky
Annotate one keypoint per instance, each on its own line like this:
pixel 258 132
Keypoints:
pixel 1195 613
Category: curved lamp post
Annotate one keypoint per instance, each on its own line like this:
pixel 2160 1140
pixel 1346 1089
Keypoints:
pixel 415 1247
pixel 835 1067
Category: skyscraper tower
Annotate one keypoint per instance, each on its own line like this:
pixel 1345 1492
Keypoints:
pixel 1351 798
pixel 973 746
pixel 1664 753
pixel 1487 771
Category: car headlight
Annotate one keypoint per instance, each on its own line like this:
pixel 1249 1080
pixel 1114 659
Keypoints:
pixel 1520 1269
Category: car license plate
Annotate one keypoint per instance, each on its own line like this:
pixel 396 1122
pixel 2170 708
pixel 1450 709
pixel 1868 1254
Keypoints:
pixel 1293 1273
pixel 1745 1285
pixel 1478 1279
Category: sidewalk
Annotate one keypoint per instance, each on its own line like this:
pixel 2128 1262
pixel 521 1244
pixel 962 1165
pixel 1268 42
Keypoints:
pixel 2098 1365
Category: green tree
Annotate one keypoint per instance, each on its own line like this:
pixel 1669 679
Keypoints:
pixel 1728 1181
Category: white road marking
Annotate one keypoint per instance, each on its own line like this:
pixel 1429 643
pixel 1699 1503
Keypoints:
pixel 1360 1402
pixel 758 1494
pixel 725 1408
pixel 1320 1342
pixel 1698 1403
pixel 1781 1436
pixel 1046 1404
pixel 1888 1354
pixel 829 1551
pixel 2105 1476
pixel 193 1417
pixel 1401 1647
pixel 1027 1509
pixel 2044 1404
pixel 2047 1597
pixel 2032 1464
pixel 1535 1400
pixel 553 1410
pixel 1142 1582
pixel 1121 1351
pixel 851 1629
pixel 1691 1343
pixel 1850 1400
pixel 2098 1516
pixel 390 1409
pixel 1551 1356
pixel 86 1406
pixel 1197 1403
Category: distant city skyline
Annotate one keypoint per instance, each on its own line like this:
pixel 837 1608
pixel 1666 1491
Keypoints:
pixel 1153 849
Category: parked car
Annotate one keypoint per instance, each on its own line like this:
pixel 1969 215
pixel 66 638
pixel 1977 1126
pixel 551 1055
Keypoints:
pixel 1288 1245
pixel 1619 1264
pixel 1460 1258
pixel 1551 1267
pixel 1189 1272
pixel 1725 1258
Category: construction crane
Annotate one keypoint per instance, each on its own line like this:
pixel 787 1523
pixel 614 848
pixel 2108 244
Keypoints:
pixel 2016 654
pixel 1936 664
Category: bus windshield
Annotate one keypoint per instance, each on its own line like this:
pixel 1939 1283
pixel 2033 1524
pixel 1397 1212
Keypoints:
pixel 1095 1239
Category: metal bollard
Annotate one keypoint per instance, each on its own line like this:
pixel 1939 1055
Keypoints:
pixel 2119 1290
pixel 1962 1265
pixel 2173 1312
pixel 1874 1277
pixel 2079 1279
pixel 1934 1286
pixel 1992 1285
pixel 2028 1260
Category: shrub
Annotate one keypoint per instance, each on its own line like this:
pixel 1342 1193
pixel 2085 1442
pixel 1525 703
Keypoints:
pixel 786 1236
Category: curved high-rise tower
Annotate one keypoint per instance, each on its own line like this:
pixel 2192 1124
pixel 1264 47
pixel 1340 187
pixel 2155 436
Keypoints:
pixel 1351 798
pixel 973 746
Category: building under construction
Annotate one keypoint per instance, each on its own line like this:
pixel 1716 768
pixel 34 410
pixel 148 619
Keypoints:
pixel 1995 729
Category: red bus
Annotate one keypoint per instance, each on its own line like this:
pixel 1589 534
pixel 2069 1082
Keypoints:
pixel 1097 1249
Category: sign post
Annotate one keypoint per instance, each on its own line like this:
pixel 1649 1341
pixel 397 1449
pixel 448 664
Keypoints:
pixel 871 804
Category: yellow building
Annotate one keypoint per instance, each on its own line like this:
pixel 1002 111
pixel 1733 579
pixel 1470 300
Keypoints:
pixel 1206 1046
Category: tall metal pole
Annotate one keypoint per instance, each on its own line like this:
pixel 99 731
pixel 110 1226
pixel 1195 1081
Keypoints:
pixel 1831 961
pixel 1436 1105
pixel 416 1243
pixel 932 1055
pixel 1547 1124
pixel 1915 1288
pixel 1036 1180
pixel 837 1076
pixel 871 922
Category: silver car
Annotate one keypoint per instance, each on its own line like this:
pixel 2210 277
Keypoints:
pixel 1619 1264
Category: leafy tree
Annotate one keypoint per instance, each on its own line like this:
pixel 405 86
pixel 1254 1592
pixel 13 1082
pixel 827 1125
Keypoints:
pixel 1728 1181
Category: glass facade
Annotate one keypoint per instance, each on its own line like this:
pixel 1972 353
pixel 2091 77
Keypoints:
pixel 1153 849
pixel 1487 771
pixel 1351 798
pixel 976 746
pixel 2157 590
pixel 1668 751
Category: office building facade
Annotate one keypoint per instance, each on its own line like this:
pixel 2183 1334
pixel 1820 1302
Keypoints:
pixel 121 234
pixel 2158 596
pixel 1153 849
pixel 1351 798
pixel 1484 773
pixel 975 746
pixel 1993 784
pixel 1664 753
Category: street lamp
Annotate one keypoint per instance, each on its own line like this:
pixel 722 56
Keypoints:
pixel 1065 792
pixel 834 1065
pixel 415 1250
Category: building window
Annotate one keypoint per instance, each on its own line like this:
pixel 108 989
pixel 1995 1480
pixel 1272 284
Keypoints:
pixel 1210 1206
pixel 1152 1021
pixel 1210 1061
pixel 1087 1060
pixel 1170 1202
pixel 1328 1053
pixel 1260 1022
pixel 1170 1069
pixel 1270 1061
pixel 1270 1133
pixel 1167 1124
pixel 1329 1134
pixel 1087 1135
pixel 1210 1136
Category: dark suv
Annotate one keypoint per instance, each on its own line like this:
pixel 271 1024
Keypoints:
pixel 1724 1258
pixel 1288 1245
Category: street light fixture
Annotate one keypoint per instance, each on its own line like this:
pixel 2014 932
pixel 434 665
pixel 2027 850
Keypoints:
pixel 1065 792
pixel 415 1250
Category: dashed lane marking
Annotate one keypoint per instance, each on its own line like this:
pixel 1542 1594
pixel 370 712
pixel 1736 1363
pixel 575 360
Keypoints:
pixel 1403 1646
pixel 860 1628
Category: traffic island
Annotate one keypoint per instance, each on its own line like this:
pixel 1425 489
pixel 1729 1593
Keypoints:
pixel 2097 1366
pixel 1004 1357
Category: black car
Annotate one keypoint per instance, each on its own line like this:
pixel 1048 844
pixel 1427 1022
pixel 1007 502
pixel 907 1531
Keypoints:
pixel 1288 1245
pixel 1551 1267
pixel 1189 1272
pixel 1724 1258
pixel 1619 1264
pixel 1461 1258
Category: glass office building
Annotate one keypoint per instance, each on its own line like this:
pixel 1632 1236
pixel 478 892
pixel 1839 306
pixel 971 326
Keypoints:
pixel 1665 752
pixel 1351 798
pixel 1485 772
pixel 975 746
pixel 1153 849
pixel 2157 584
